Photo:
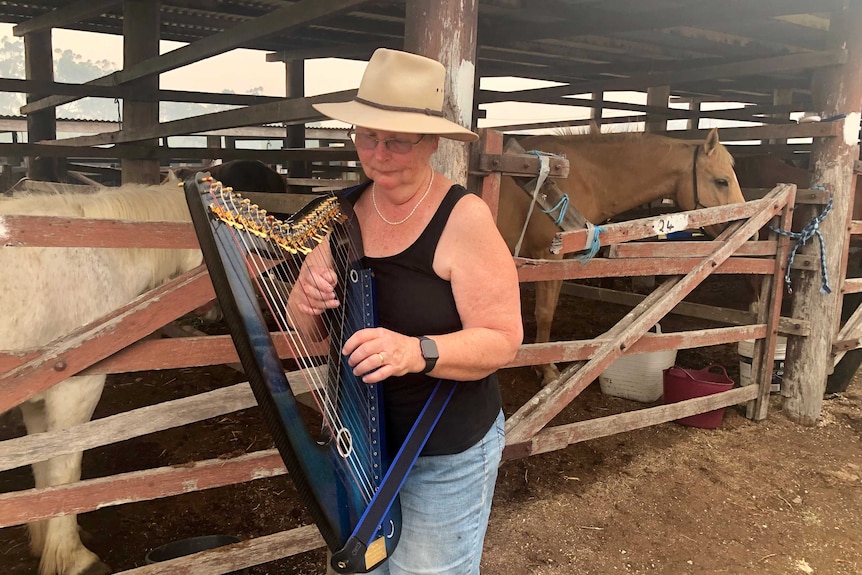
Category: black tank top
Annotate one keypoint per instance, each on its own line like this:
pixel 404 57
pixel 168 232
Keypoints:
pixel 414 301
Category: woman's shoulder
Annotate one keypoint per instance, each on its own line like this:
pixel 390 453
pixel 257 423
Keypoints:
pixel 469 208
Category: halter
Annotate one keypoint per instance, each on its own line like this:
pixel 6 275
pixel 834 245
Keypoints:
pixel 697 203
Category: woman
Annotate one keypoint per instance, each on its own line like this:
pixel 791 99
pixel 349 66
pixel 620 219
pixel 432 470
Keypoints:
pixel 448 304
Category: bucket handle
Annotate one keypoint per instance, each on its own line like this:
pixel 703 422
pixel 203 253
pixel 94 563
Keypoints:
pixel 688 372
pixel 721 367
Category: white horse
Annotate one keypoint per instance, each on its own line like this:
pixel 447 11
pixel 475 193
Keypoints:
pixel 47 293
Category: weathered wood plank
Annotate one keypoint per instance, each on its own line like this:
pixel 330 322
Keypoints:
pixel 554 352
pixel 88 495
pixel 673 249
pixel 549 195
pixel 559 437
pixel 646 80
pixel 787 325
pixel 99 339
pixel 51 231
pixel 178 154
pixel 288 111
pixel 573 241
pixel 233 558
pixel 150 419
pixel 530 270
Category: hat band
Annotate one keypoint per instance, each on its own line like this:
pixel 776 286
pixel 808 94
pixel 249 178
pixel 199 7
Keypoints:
pixel 426 111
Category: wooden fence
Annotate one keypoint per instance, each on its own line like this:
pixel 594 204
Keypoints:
pixel 113 345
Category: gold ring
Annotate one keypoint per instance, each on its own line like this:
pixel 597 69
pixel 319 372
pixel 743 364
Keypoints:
pixel 380 355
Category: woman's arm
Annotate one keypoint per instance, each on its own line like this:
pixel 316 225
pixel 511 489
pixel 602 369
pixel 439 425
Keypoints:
pixel 474 258
pixel 313 293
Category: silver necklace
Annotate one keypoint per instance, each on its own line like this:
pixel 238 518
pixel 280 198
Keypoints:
pixel 413 211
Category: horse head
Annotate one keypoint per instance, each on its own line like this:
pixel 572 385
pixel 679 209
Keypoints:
pixel 712 181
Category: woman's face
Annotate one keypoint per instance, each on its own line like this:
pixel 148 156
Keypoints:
pixel 386 163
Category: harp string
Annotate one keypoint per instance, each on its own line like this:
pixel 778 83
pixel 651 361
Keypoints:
pixel 262 241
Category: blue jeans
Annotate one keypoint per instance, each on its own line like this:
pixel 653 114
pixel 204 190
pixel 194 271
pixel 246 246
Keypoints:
pixel 445 505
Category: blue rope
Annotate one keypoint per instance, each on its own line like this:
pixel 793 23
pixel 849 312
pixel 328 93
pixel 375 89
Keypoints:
pixel 802 238
pixel 595 244
pixel 562 206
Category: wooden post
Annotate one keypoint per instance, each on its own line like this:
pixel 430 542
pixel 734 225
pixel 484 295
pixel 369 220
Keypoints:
pixel 837 91
pixel 295 88
pixel 213 142
pixel 694 105
pixel 141 41
pixel 596 112
pixel 657 96
pixel 446 31
pixel 42 125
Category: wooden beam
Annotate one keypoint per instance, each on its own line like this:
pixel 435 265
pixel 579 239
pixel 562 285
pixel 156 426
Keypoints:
pixel 580 20
pixel 643 81
pixel 193 154
pixel 812 130
pixel 574 241
pixel 282 20
pixel 63 16
pixel 124 92
pixel 288 111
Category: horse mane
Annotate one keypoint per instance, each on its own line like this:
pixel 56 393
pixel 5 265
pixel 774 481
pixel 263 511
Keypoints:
pixel 573 135
pixel 137 202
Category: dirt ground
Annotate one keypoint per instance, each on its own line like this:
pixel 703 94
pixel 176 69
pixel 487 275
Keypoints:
pixel 768 497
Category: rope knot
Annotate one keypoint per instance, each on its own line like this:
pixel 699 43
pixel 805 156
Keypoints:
pixel 812 229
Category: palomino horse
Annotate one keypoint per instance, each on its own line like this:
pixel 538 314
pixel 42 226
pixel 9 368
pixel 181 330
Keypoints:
pixel 49 292
pixel 610 174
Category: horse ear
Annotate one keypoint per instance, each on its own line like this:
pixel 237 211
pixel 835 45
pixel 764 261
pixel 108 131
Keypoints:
pixel 595 129
pixel 711 142
pixel 171 178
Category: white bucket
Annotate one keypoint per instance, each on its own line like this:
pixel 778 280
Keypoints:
pixel 746 355
pixel 638 376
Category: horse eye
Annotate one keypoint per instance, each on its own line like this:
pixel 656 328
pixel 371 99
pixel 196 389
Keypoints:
pixel 721 182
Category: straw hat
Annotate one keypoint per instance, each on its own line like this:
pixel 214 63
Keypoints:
pixel 399 92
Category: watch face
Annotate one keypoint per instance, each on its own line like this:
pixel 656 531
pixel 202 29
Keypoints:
pixel 429 349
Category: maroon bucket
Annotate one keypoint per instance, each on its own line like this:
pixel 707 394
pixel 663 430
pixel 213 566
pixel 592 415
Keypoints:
pixel 681 384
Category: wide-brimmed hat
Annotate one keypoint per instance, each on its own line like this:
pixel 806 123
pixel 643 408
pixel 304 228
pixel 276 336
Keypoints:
pixel 399 92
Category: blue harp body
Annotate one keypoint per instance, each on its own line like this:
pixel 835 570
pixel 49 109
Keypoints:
pixel 339 471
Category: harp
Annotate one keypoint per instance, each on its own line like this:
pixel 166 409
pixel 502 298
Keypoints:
pixel 344 473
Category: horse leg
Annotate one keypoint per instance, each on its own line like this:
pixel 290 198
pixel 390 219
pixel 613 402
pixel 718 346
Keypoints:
pixel 69 403
pixel 547 296
pixel 35 422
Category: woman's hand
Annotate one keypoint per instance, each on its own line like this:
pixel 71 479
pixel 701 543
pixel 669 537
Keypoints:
pixel 316 290
pixel 377 353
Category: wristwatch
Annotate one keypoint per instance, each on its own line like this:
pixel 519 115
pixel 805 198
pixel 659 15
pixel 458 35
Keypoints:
pixel 429 352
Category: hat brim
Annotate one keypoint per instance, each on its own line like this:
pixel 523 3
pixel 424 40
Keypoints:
pixel 366 116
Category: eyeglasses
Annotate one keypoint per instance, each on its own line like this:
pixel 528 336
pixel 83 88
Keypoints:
pixel 394 145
